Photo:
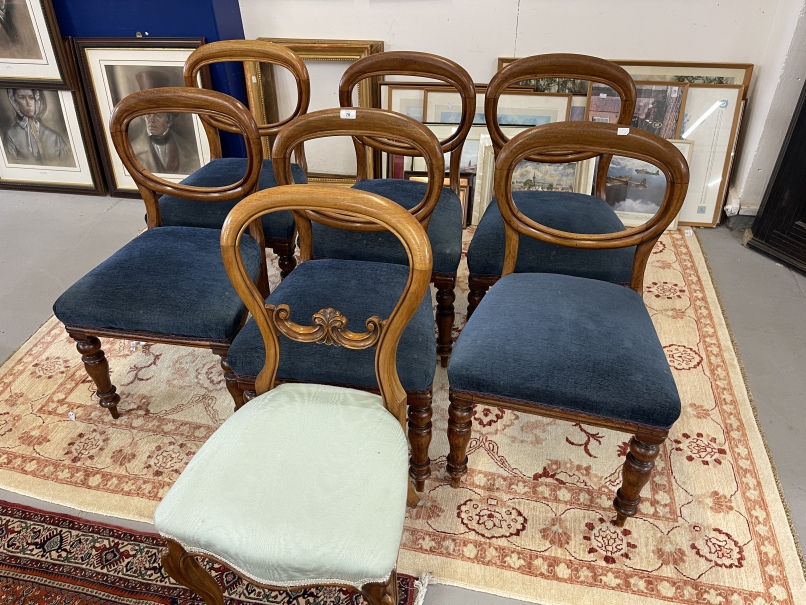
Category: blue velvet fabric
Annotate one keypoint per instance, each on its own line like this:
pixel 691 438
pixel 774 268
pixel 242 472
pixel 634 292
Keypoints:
pixel 568 342
pixel 573 212
pixel 168 280
pixel 179 212
pixel 444 229
pixel 359 290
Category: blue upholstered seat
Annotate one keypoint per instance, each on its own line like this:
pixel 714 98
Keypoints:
pixel 358 290
pixel 188 213
pixel 572 212
pixel 168 280
pixel 444 229
pixel 577 344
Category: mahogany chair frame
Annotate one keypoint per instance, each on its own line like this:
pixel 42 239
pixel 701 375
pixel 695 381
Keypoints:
pixel 375 123
pixel 224 109
pixel 595 139
pixel 355 207
pixel 250 52
pixel 426 65
pixel 556 65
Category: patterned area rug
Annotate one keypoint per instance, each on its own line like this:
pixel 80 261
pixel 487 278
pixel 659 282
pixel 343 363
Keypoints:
pixel 533 517
pixel 48 559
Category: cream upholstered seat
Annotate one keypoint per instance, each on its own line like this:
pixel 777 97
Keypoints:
pixel 306 484
pixel 298 517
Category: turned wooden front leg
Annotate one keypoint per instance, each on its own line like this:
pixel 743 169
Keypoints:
pixel 231 381
pixel 185 569
pixel 460 421
pixel 419 405
pixel 478 288
pixel 98 369
pixel 445 316
pixel 635 474
pixel 378 593
pixel 287 261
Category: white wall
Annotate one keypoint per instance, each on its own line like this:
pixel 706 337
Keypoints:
pixel 476 32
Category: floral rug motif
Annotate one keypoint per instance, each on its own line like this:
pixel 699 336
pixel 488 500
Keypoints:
pixel 532 519
pixel 50 559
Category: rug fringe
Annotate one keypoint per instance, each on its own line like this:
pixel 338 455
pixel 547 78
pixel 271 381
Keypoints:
pixel 422 586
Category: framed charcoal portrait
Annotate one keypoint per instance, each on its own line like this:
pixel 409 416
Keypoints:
pixel 31 47
pixel 42 145
pixel 171 146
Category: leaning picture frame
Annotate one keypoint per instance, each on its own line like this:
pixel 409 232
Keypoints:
pixel 61 157
pixel 113 68
pixel 713 74
pixel 31 47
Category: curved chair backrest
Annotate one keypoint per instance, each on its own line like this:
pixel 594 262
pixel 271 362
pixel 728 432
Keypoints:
pixel 204 103
pixel 595 139
pixel 249 52
pixel 330 326
pixel 424 65
pixel 368 123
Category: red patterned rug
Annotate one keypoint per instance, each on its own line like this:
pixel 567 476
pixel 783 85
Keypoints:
pixel 50 559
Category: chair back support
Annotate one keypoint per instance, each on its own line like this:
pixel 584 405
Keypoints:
pixel 249 52
pixel 557 65
pixel 330 326
pixel 424 65
pixel 204 103
pixel 372 124
pixel 594 139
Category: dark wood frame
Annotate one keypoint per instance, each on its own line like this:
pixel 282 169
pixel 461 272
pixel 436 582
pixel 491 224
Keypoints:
pixel 60 55
pixel 81 45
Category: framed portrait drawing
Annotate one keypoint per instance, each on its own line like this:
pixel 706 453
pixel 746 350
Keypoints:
pixel 171 146
pixel 31 46
pixel 42 143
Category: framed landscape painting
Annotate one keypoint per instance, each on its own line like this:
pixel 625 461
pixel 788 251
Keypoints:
pixel 31 47
pixel 172 146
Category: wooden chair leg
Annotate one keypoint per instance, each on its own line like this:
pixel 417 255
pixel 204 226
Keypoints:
pixel 419 409
pixel 378 593
pixel 635 474
pixel 287 261
pixel 98 369
pixel 185 569
pixel 460 421
pixel 445 316
pixel 478 289
pixel 231 381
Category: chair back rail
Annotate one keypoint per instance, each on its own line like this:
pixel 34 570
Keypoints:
pixel 362 207
pixel 594 139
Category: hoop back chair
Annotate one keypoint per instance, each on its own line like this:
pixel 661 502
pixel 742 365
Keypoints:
pixel 168 285
pixel 574 212
pixel 360 288
pixel 279 231
pixel 343 450
pixel 444 222
pixel 571 347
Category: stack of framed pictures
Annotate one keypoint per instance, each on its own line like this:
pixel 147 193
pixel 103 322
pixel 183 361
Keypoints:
pixel 45 139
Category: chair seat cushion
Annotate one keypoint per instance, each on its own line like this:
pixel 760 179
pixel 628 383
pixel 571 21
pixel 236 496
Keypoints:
pixel 304 484
pixel 223 171
pixel 359 290
pixel 444 229
pixel 573 212
pixel 567 342
pixel 168 280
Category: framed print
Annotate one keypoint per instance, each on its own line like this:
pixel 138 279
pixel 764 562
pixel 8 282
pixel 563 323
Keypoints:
pixel 714 74
pixel 635 188
pixel 31 46
pixel 658 108
pixel 561 85
pixel 518 108
pixel 42 146
pixel 470 149
pixel 445 106
pixel 711 122
pixel 330 160
pixel 579 103
pixel 407 100
pixel 604 104
pixel 483 187
pixel 465 189
pixel 171 146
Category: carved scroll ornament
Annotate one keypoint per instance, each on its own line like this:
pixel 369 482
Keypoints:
pixel 330 328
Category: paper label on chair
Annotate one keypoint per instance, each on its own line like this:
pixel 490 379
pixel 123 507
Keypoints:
pixel 347 114
pixel 623 131
pixel 602 95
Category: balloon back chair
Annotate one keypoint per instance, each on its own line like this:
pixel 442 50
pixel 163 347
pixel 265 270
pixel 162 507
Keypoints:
pixel 574 212
pixel 307 484
pixel 444 222
pixel 168 285
pixel 568 347
pixel 358 292
pixel 279 231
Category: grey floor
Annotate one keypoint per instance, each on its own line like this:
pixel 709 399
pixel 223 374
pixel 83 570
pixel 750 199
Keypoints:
pixel 47 241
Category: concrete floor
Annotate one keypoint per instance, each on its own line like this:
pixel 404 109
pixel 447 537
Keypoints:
pixel 47 241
